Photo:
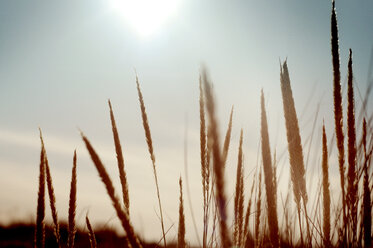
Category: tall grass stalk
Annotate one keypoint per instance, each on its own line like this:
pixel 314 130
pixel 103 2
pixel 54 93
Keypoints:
pixel 338 115
pixel 181 229
pixel 239 197
pixel 326 192
pixel 72 205
pixel 40 209
pixel 122 172
pixel 91 234
pixel 246 235
pixel 352 187
pixel 297 170
pixel 258 211
pixel 148 137
pixel 269 178
pixel 121 213
pixel 52 198
pixel 205 168
pixel 367 203
pixel 227 137
pixel 52 201
pixel 218 162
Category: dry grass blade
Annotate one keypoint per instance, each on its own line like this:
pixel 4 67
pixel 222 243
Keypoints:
pixel 239 197
pixel 326 192
pixel 367 214
pixel 352 194
pixel 91 234
pixel 218 162
pixel 338 115
pixel 122 214
pixel 269 178
pixel 72 206
pixel 122 172
pixel 151 151
pixel 181 229
pixel 40 210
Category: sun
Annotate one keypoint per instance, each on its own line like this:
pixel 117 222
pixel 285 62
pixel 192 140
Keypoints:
pixel 146 16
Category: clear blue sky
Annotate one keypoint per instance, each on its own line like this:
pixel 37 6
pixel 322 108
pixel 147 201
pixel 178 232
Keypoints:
pixel 61 61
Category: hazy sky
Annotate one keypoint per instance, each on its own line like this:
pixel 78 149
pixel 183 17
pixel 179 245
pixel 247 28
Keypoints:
pixel 61 61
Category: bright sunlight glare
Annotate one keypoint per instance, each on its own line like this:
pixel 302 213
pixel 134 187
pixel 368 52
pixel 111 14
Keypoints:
pixel 146 16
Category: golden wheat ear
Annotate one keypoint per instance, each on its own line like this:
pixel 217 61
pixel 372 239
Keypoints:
pixel 91 234
pixel 122 172
pixel 122 214
pixel 72 206
pixel 40 209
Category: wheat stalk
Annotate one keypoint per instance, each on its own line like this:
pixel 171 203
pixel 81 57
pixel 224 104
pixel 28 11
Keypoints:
pixel 122 214
pixel 72 205
pixel 122 172
pixel 218 162
pixel 151 151
pixel 269 178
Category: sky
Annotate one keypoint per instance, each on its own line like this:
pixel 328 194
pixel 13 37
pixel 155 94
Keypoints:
pixel 61 61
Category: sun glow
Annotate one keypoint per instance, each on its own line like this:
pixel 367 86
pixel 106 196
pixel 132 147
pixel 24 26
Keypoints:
pixel 146 16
